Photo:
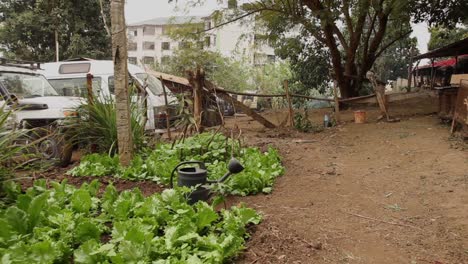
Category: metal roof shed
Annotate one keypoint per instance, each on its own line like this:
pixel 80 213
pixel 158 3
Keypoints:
pixel 454 49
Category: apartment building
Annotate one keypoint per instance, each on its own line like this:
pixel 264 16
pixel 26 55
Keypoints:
pixel 149 41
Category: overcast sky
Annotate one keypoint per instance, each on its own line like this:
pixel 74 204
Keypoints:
pixel 139 10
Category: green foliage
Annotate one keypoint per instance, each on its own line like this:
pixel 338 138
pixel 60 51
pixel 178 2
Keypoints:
pixel 309 64
pixel 439 12
pixel 226 72
pixel 97 165
pixel 28 29
pixel 8 148
pixel 261 169
pixel 394 62
pixel 69 225
pixel 341 37
pixel 441 36
pixel 303 124
pixel 97 126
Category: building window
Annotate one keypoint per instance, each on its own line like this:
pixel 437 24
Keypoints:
pixel 260 58
pixel 271 58
pixel 166 29
pixel 133 32
pixel 132 46
pixel 132 60
pixel 165 60
pixel 149 31
pixel 165 46
pixel 207 41
pixel 200 44
pixel 148 60
pixel 207 25
pixel 184 45
pixel 148 45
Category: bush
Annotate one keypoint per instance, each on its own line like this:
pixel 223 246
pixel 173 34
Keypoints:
pixel 8 148
pixel 97 126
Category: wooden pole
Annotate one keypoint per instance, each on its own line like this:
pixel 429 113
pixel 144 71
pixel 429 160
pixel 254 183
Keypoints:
pixel 168 121
pixel 122 98
pixel 337 103
pixel 196 80
pixel 89 87
pixel 410 73
pixel 238 105
pixel 288 98
pixel 432 74
pixel 57 47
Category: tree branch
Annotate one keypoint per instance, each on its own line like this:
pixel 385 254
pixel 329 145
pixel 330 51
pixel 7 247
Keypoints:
pixel 233 20
pixel 391 43
pixel 340 37
pixel 349 22
pixel 104 20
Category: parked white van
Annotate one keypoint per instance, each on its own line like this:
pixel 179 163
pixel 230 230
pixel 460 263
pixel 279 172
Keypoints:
pixel 36 108
pixel 69 78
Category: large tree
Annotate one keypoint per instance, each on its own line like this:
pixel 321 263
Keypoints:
pixel 355 32
pixel 28 29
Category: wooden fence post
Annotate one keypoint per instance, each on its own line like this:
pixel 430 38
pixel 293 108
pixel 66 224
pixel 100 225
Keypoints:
pixel 168 115
pixel 337 103
pixel 197 80
pixel 288 98
pixel 89 87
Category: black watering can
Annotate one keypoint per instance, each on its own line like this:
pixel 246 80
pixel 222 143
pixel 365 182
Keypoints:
pixel 193 176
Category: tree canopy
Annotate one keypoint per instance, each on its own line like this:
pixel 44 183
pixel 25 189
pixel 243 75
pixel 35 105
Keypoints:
pixel 354 33
pixel 28 29
pixel 442 36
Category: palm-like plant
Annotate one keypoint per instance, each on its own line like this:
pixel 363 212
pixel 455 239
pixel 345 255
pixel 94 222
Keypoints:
pixel 8 147
pixel 96 126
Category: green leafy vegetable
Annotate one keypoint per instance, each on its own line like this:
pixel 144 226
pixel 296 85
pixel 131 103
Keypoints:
pixel 65 224
pixel 261 169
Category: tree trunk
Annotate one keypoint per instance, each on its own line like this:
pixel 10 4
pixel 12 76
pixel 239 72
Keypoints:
pixel 119 53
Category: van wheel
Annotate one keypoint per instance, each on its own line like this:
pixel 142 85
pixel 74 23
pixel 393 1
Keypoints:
pixel 56 149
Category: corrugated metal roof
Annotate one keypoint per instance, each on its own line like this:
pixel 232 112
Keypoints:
pixel 454 49
pixel 177 20
pixel 443 63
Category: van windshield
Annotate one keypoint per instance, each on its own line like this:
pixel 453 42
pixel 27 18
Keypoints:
pixel 75 86
pixel 154 84
pixel 25 85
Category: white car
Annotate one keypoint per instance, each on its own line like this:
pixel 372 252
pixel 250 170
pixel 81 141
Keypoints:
pixel 36 107
pixel 69 78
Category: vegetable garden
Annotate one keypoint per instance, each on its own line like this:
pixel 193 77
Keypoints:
pixel 55 222
pixel 68 224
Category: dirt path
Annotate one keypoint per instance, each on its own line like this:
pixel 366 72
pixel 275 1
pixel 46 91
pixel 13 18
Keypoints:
pixel 372 193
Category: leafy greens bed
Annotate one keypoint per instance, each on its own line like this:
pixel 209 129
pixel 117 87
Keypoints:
pixel 261 169
pixel 65 224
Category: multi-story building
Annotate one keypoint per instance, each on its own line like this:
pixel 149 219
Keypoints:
pixel 149 41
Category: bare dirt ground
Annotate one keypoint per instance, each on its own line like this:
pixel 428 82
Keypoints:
pixel 356 193
pixel 363 193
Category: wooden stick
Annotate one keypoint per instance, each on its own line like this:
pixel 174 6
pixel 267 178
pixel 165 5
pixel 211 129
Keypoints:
pixel 196 81
pixel 223 95
pixel 382 221
pixel 168 121
pixel 89 87
pixel 288 98
pixel 337 103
